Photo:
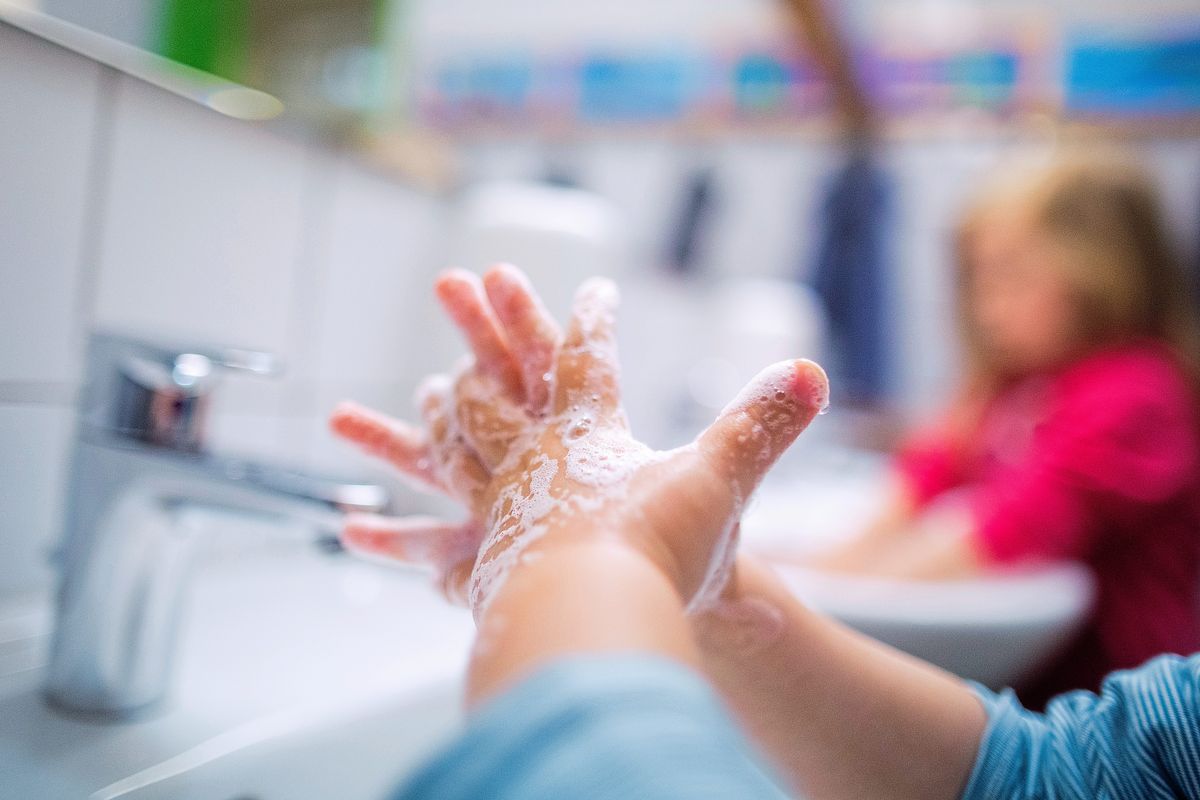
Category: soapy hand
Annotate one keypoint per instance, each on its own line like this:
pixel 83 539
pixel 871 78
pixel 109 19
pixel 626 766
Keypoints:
pixel 532 439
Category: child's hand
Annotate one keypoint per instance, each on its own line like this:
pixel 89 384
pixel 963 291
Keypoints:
pixel 533 440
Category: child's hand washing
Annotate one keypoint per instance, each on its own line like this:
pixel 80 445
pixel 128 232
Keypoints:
pixel 583 549
pixel 532 439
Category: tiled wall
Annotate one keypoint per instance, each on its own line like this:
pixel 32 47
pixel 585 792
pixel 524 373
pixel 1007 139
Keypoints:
pixel 123 206
pixel 50 105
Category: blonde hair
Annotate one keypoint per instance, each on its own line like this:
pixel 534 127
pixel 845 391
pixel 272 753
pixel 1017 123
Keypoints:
pixel 1124 272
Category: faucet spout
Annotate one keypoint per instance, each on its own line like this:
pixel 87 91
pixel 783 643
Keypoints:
pixel 125 559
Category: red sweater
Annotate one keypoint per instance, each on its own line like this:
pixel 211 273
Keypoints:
pixel 1099 463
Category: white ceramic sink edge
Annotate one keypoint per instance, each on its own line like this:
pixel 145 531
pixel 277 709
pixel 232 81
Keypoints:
pixel 283 649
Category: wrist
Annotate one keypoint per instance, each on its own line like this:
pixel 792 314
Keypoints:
pixel 616 545
pixel 592 595
pixel 579 536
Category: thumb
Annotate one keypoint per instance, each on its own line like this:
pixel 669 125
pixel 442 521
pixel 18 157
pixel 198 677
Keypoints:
pixel 763 420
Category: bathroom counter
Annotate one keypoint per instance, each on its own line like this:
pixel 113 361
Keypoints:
pixel 279 641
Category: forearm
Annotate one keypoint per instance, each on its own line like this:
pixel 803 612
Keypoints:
pixel 576 597
pixel 840 715
pixel 944 555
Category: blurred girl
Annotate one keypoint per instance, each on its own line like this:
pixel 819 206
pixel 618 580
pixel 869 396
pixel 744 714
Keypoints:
pixel 1075 434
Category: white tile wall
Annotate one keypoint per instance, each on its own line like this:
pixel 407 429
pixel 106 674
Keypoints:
pixel 48 106
pixel 368 291
pixel 33 464
pixel 383 247
pixel 202 226
pixel 208 230
pixel 767 199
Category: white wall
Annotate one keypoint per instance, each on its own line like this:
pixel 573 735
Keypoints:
pixel 50 101
pixel 123 206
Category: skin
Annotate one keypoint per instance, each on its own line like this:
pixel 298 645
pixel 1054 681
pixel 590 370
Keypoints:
pixel 841 716
pixel 1019 296
pixel 1021 303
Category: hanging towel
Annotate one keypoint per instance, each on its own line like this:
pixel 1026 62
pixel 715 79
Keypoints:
pixel 695 215
pixel 850 277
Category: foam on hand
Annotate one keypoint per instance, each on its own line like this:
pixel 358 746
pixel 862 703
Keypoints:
pixel 576 455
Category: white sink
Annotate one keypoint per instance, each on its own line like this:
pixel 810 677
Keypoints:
pixel 300 675
pixel 993 629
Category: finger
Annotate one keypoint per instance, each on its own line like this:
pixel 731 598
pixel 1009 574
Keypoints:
pixel 588 373
pixel 449 548
pixel 461 295
pixel 455 582
pixel 403 446
pixel 422 541
pixel 763 421
pixel 455 462
pixel 488 421
pixel 532 335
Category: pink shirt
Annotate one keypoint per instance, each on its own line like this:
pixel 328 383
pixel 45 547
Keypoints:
pixel 1099 463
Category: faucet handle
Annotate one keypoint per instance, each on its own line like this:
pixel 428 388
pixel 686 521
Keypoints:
pixel 194 372
pixel 159 393
pixel 236 358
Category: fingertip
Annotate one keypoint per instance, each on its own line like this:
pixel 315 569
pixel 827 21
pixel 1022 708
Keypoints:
pixel 343 416
pixel 765 418
pixel 810 384
pixel 361 532
pixel 433 388
pixel 800 381
pixel 502 272
pixel 454 285
pixel 593 311
pixel 505 287
pixel 600 290
pixel 453 275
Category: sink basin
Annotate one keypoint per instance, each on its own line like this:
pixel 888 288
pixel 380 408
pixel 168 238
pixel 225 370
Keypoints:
pixel 994 629
pixel 359 751
pixel 300 674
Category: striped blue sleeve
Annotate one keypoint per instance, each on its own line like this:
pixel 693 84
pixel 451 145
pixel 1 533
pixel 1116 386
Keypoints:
pixel 598 728
pixel 1139 738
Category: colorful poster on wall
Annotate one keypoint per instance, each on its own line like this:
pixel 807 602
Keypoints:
pixel 915 82
pixel 772 85
pixel 642 87
pixel 1150 75
pixel 995 71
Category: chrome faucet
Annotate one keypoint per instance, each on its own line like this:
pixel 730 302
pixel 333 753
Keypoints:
pixel 139 461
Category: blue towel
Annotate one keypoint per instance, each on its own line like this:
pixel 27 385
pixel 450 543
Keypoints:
pixel 851 277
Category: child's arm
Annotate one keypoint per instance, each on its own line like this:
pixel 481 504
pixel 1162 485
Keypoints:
pixel 840 715
pixel 1138 738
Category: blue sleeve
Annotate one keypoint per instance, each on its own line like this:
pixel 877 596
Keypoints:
pixel 595 728
pixel 1138 738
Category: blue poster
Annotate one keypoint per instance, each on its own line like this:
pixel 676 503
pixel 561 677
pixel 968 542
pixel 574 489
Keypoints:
pixel 1147 77
pixel 640 87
